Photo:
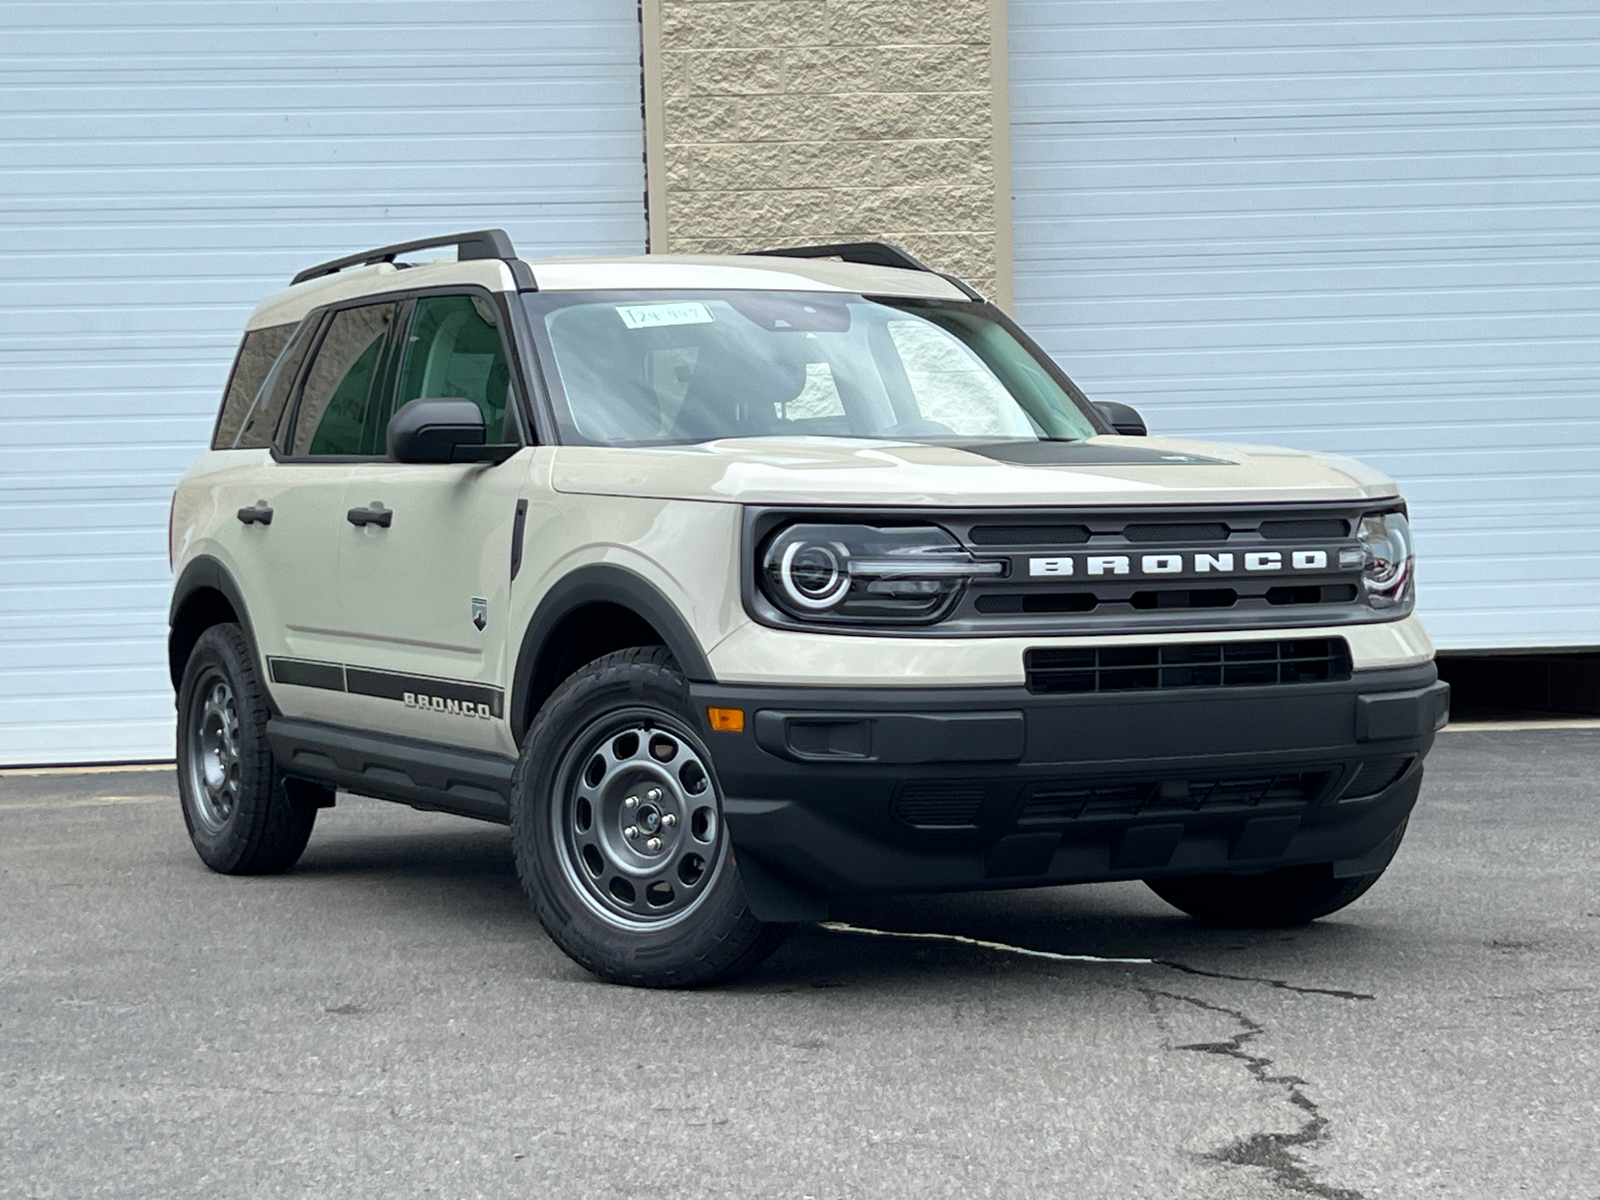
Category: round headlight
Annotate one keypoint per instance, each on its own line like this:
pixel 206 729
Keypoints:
pixel 845 573
pixel 814 575
pixel 1386 573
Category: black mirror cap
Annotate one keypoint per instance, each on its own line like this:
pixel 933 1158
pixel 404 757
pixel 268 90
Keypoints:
pixel 1123 418
pixel 429 430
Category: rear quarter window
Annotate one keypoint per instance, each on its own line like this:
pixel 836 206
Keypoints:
pixel 257 353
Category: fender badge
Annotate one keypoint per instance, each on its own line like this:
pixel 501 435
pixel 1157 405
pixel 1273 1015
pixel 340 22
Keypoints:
pixel 480 612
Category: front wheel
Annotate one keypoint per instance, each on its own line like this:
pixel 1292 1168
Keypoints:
pixel 617 824
pixel 1275 900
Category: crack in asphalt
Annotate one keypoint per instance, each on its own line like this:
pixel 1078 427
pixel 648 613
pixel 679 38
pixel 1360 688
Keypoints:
pixel 980 943
pixel 1055 956
pixel 1283 984
pixel 1272 1152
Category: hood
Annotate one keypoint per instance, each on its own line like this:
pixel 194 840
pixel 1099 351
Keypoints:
pixel 840 471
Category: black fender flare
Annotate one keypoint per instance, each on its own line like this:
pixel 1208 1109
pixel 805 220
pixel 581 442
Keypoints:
pixel 206 572
pixel 602 583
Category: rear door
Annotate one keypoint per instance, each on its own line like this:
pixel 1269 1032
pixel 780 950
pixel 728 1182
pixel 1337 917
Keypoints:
pixel 426 595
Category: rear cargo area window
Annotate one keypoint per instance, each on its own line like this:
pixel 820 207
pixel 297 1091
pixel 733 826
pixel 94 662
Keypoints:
pixel 257 353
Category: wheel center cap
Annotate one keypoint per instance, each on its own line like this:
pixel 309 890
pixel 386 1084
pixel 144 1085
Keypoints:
pixel 649 818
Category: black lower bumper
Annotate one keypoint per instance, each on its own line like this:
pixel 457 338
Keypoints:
pixel 832 792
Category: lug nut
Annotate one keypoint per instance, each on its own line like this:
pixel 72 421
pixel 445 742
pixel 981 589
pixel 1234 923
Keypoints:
pixel 653 794
pixel 631 832
pixel 631 803
pixel 670 820
pixel 653 845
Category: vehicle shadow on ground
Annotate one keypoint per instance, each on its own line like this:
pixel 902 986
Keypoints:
pixel 472 868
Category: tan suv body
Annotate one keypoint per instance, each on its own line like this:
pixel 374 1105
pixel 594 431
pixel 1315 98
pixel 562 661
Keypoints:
pixel 738 584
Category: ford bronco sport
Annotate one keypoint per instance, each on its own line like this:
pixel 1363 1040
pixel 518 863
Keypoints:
pixel 736 584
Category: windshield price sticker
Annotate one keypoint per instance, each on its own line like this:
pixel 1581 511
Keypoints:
pixel 653 316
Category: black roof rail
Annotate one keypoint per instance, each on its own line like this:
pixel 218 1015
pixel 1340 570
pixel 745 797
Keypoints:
pixel 480 243
pixel 872 254
pixel 869 254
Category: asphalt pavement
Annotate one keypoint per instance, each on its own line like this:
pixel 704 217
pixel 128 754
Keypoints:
pixel 389 1020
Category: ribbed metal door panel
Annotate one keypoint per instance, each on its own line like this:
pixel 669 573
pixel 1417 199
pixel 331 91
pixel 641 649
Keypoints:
pixel 165 165
pixel 1366 227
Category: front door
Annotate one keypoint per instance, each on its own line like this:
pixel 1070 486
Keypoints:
pixel 426 585
pixel 293 575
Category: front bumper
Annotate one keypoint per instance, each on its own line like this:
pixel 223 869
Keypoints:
pixel 848 791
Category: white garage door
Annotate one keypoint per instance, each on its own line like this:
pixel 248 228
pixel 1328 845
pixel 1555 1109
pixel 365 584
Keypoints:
pixel 1369 227
pixel 163 166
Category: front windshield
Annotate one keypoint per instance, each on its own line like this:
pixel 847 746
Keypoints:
pixel 675 367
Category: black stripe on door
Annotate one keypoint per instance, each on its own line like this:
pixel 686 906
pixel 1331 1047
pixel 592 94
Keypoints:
pixel 304 673
pixel 451 697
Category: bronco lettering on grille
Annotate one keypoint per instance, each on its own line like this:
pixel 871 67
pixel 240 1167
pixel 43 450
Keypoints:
pixel 1188 563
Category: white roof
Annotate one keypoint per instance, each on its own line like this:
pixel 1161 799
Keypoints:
pixel 296 301
pixel 738 272
pixel 645 272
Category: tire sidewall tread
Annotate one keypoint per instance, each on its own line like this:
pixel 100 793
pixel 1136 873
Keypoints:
pixel 268 829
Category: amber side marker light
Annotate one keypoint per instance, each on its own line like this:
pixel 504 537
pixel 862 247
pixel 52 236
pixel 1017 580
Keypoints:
pixel 726 720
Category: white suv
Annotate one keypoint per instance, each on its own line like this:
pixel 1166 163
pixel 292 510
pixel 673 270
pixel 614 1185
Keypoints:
pixel 736 584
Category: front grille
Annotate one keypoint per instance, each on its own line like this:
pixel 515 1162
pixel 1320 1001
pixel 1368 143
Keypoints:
pixel 1065 802
pixel 1186 532
pixel 1241 527
pixel 1300 531
pixel 1187 665
pixel 1158 598
pixel 1028 535
pixel 1184 598
pixel 940 802
pixel 1336 593
pixel 1037 602
pixel 1162 569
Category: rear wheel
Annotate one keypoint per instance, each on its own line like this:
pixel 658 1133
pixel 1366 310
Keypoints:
pixel 243 817
pixel 617 824
pixel 1290 896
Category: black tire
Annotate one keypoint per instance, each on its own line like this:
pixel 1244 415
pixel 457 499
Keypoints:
pixel 1275 900
pixel 614 764
pixel 243 817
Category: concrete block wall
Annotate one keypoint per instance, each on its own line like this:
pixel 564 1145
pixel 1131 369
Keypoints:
pixel 774 122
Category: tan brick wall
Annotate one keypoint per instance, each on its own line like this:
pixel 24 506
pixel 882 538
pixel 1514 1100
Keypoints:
pixel 776 122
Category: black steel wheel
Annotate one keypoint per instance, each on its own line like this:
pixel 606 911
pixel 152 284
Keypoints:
pixel 617 825
pixel 243 817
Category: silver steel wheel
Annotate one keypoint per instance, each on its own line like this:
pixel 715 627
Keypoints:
pixel 213 753
pixel 638 825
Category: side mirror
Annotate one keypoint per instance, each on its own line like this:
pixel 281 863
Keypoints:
pixel 442 431
pixel 1123 418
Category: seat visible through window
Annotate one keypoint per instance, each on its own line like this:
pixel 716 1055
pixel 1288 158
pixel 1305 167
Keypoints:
pixel 453 349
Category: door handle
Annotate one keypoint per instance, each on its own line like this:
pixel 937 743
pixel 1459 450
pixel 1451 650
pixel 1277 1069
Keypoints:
pixel 373 514
pixel 258 514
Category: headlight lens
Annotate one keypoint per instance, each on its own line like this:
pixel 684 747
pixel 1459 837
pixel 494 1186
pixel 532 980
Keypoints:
pixel 864 574
pixel 1389 560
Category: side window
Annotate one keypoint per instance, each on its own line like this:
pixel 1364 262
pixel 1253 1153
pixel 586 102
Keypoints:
pixel 453 349
pixel 343 383
pixel 257 353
